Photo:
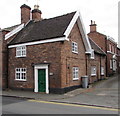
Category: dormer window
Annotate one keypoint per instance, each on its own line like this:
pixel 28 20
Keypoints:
pixel 21 51
pixel 74 47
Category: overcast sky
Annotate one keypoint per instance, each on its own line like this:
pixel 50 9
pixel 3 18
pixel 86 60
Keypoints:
pixel 103 12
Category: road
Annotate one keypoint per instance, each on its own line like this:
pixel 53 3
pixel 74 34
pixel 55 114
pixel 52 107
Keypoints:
pixel 22 106
pixel 104 93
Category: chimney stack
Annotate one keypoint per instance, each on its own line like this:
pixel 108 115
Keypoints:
pixel 36 13
pixel 25 13
pixel 93 26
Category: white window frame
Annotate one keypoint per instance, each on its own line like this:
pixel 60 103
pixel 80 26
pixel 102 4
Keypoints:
pixel 102 70
pixel 21 72
pixel 119 64
pixel 21 51
pixel 75 71
pixel 93 71
pixel 74 47
pixel 111 64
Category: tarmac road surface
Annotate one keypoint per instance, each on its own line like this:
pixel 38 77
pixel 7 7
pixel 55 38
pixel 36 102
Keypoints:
pixel 21 106
pixel 104 93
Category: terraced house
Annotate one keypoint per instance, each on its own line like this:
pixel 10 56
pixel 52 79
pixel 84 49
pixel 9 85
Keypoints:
pixel 108 45
pixel 51 55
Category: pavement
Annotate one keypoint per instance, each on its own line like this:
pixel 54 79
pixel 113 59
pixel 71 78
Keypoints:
pixel 40 96
pixel 95 95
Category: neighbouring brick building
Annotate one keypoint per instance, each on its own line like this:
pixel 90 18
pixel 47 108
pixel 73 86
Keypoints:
pixel 1 58
pixel 4 53
pixel 96 68
pixel 51 55
pixel 108 45
pixel 118 59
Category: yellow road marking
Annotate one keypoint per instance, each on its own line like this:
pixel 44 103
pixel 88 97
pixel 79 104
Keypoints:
pixel 75 105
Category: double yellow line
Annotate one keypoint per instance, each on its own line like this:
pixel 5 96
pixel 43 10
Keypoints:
pixel 74 105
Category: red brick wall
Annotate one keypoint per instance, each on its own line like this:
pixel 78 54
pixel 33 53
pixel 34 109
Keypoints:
pixel 103 43
pixel 49 53
pixel 118 60
pixel 99 39
pixel 70 60
pixel 1 40
pixel 25 14
pixel 5 59
pixel 97 62
pixel 110 56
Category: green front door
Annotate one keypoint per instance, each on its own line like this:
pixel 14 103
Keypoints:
pixel 41 80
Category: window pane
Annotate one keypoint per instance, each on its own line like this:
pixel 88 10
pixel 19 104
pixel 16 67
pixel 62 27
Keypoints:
pixel 21 51
pixel 93 70
pixel 74 47
pixel 75 73
pixel 20 73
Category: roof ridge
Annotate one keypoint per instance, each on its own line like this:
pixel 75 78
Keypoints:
pixel 59 16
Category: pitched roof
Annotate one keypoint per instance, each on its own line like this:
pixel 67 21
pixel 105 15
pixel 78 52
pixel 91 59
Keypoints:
pixel 45 29
pixel 96 48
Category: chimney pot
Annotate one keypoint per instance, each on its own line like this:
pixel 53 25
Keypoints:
pixel 93 26
pixel 36 7
pixel 36 13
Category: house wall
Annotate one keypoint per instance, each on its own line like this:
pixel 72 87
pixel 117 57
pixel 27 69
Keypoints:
pixel 1 41
pixel 103 43
pixel 4 56
pixel 4 60
pixel 36 54
pixel 110 54
pixel 60 58
pixel 99 39
pixel 98 62
pixel 118 60
pixel 70 59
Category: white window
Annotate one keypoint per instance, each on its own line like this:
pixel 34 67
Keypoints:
pixel 20 74
pixel 74 47
pixel 102 70
pixel 75 73
pixel 21 51
pixel 110 64
pixel 93 71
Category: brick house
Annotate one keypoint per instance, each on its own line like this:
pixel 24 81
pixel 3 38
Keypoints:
pixel 1 58
pixel 118 59
pixel 96 68
pixel 51 55
pixel 108 45
pixel 6 35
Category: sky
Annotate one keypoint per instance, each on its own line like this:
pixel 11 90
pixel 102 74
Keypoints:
pixel 103 12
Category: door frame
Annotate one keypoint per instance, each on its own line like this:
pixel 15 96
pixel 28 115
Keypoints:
pixel 36 68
